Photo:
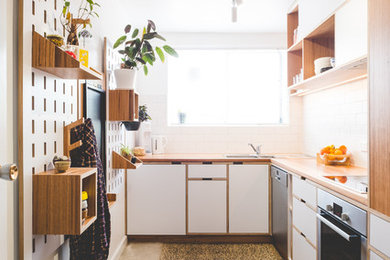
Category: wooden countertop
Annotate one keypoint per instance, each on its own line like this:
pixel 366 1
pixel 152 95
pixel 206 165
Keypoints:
pixel 306 167
pixel 314 172
pixel 196 157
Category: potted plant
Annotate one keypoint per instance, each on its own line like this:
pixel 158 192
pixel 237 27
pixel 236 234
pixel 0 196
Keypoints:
pixel 127 153
pixel 143 116
pixel 137 51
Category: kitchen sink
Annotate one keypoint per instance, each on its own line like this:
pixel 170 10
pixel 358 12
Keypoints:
pixel 248 156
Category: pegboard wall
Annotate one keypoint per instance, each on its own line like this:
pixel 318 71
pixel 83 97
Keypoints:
pixel 115 135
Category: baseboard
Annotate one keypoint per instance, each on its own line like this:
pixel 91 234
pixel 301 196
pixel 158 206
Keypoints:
pixel 201 238
pixel 118 252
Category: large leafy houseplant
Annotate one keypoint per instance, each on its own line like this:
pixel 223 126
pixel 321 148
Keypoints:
pixel 137 50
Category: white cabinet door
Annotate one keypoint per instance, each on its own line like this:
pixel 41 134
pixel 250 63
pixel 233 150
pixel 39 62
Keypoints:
pixel 207 207
pixel 304 190
pixel 374 256
pixel 207 171
pixel 248 199
pixel 351 31
pixel 156 200
pixel 302 250
pixel 379 234
pixel 305 219
pixel 313 12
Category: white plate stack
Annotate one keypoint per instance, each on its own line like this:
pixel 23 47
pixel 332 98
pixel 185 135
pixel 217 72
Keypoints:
pixel 322 63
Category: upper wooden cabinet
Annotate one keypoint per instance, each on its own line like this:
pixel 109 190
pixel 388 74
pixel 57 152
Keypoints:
pixel 351 31
pixel 379 98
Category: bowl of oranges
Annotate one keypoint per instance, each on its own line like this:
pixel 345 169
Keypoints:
pixel 330 155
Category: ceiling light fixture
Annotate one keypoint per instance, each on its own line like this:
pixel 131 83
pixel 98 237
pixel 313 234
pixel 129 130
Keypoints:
pixel 236 3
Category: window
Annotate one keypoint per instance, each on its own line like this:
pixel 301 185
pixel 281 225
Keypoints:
pixel 227 87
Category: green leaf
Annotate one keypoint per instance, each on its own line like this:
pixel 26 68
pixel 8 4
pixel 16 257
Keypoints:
pixel 170 51
pixel 160 54
pixel 121 52
pixel 128 28
pixel 141 60
pixel 148 46
pixel 67 3
pixel 146 70
pixel 135 33
pixel 148 59
pixel 131 64
pixel 149 36
pixel 158 36
pixel 120 41
pixel 152 25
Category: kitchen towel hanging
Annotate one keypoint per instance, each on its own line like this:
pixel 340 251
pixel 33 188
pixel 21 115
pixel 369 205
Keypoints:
pixel 94 243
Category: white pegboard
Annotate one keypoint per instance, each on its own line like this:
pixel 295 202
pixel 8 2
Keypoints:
pixel 49 103
pixel 115 134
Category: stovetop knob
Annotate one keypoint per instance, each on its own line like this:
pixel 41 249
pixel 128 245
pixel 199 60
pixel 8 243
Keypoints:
pixel 329 208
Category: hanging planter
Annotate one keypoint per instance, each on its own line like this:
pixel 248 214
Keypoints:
pixel 131 126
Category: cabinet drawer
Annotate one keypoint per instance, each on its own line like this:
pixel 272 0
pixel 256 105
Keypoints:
pixel 207 171
pixel 302 250
pixel 207 207
pixel 379 234
pixel 305 219
pixel 304 190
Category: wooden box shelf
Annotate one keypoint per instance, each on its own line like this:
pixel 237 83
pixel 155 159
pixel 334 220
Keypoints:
pixel 292 24
pixel 120 162
pixel 123 105
pixel 111 197
pixel 57 208
pixel 48 57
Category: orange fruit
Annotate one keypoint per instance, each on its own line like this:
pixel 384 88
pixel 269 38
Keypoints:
pixel 338 152
pixel 343 148
pixel 342 179
pixel 331 157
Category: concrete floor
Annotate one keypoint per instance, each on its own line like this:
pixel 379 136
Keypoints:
pixel 142 251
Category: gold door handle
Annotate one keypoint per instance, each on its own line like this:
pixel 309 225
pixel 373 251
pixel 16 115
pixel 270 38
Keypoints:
pixel 9 172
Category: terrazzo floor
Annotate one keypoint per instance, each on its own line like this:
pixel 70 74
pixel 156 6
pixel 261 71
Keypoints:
pixel 160 251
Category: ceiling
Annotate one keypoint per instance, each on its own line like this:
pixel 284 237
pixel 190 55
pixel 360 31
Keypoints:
pixel 254 16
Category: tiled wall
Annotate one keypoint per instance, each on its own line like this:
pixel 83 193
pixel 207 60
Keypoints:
pixel 337 116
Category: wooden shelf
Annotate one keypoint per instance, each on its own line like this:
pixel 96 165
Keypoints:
pixel 292 24
pixel 111 197
pixel 50 58
pixel 296 46
pixel 57 208
pixel 354 70
pixel 123 105
pixel 120 162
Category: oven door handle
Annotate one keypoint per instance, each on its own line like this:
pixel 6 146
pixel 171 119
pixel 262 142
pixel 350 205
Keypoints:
pixel 336 228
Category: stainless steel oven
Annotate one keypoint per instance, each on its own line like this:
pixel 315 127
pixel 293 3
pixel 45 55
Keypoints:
pixel 342 229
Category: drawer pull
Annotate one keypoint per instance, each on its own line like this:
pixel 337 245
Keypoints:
pixel 303 201
pixel 303 178
pixel 207 179
pixel 175 162
pixel 238 163
pixel 207 162
pixel 303 235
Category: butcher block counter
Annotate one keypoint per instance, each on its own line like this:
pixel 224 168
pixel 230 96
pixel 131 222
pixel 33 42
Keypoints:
pixel 305 167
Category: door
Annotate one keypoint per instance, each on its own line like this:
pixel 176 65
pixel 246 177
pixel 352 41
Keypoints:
pixel 156 200
pixel 249 199
pixel 207 206
pixel 8 218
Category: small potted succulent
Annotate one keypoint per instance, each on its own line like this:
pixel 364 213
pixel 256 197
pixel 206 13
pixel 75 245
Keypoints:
pixel 128 153
pixel 137 51
pixel 143 116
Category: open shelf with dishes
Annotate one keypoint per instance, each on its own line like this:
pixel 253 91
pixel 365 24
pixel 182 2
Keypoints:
pixel 48 57
pixel 311 64
pixel 58 201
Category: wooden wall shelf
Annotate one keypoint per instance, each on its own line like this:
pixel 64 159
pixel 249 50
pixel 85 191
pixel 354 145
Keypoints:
pixel 292 24
pixel 48 57
pixel 111 197
pixel 120 162
pixel 354 70
pixel 123 105
pixel 57 201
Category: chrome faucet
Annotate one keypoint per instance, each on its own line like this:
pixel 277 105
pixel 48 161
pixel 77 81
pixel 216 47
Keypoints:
pixel 256 149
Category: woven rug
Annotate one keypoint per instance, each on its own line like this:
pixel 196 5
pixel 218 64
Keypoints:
pixel 219 252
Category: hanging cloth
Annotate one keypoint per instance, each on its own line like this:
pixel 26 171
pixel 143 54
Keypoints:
pixel 94 243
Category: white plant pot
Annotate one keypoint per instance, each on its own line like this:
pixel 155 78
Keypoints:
pixel 125 78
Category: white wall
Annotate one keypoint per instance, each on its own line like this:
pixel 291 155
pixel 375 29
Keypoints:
pixel 337 116
pixel 186 139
